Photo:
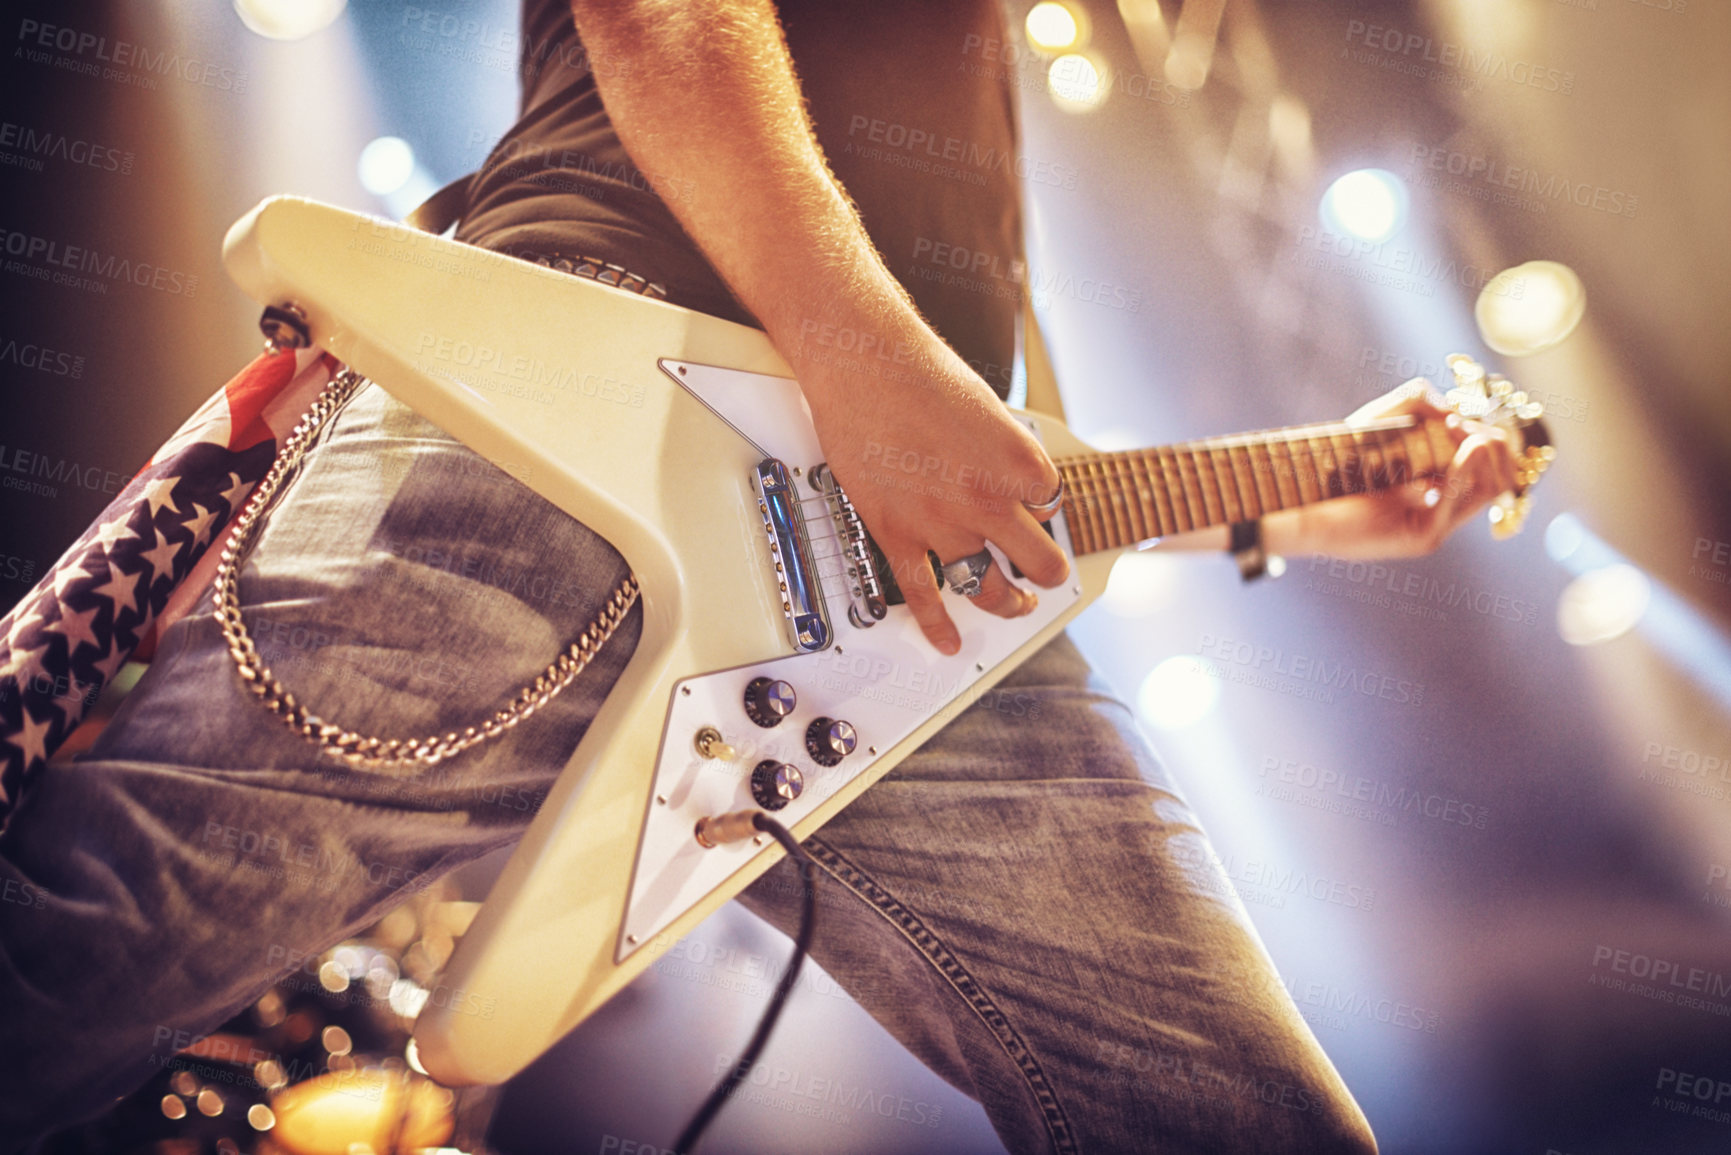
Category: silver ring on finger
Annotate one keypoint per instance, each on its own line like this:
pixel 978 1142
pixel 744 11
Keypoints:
pixel 963 576
pixel 1042 508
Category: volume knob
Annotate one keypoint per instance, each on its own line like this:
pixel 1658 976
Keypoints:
pixel 775 784
pixel 829 740
pixel 768 701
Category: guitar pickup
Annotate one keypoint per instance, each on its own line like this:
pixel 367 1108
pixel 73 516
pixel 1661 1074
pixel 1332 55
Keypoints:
pixel 796 577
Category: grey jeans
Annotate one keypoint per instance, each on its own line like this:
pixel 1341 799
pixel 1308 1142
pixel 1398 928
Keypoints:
pixel 1027 903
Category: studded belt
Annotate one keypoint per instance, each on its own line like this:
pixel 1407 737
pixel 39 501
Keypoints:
pixel 596 269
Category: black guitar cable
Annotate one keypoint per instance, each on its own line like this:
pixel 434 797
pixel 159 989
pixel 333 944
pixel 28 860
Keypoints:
pixel 687 1141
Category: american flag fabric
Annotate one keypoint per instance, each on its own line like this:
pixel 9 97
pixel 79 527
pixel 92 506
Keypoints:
pixel 143 563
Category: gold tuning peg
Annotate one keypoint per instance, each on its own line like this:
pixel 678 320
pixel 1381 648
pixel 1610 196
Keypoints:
pixel 1508 513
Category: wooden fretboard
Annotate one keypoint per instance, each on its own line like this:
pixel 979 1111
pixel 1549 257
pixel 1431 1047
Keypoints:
pixel 1115 500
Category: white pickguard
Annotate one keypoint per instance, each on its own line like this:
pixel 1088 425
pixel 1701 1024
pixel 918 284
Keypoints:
pixel 886 680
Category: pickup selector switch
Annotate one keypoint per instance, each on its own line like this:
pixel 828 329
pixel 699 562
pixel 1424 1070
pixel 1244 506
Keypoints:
pixel 829 740
pixel 768 701
pixel 775 784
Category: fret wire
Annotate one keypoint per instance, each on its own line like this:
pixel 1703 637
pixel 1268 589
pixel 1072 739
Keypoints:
pixel 1370 471
pixel 1208 483
pixel 1400 467
pixel 1096 508
pixel 1086 501
pixel 1074 498
pixel 1351 479
pixel 1185 516
pixel 1247 495
pixel 1326 481
pixel 1233 499
pixel 1291 473
pixel 1304 471
pixel 1182 457
pixel 1314 448
pixel 1217 515
pixel 1203 453
pixel 1168 524
pixel 1275 500
pixel 1267 482
pixel 1137 464
pixel 1269 443
pixel 1115 533
pixel 1137 510
pixel 1121 503
pixel 1096 505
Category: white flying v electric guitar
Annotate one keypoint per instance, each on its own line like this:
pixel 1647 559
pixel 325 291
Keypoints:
pixel 776 667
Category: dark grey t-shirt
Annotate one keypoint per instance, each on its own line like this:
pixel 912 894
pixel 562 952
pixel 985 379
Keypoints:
pixel 913 112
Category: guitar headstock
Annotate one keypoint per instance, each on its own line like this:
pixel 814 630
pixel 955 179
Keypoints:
pixel 1493 399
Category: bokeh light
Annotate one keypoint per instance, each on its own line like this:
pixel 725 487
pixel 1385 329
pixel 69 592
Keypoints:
pixel 1530 307
pixel 1053 27
pixel 386 165
pixel 1602 604
pixel 1368 203
pixel 288 19
pixel 1077 82
pixel 1177 693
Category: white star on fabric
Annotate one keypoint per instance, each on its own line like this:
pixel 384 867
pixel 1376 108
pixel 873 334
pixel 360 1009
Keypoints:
pixel 162 557
pixel 113 531
pixel 22 622
pixel 67 577
pixel 71 704
pixel 235 491
pixel 200 525
pixel 157 492
pixel 33 739
pixel 75 628
pixel 23 662
pixel 120 588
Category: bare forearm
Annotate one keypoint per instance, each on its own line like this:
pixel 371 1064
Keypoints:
pixel 710 106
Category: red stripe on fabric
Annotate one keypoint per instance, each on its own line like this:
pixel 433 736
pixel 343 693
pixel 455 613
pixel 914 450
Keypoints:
pixel 252 389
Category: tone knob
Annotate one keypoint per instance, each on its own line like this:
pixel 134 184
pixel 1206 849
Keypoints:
pixel 775 784
pixel 829 740
pixel 768 701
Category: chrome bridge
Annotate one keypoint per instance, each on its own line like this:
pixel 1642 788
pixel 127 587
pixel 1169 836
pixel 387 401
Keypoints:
pixel 866 602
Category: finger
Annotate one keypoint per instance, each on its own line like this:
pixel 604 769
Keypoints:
pixel 913 573
pixel 1002 597
pixel 1031 549
pixel 1474 478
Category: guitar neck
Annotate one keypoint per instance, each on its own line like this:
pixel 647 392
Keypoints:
pixel 1115 500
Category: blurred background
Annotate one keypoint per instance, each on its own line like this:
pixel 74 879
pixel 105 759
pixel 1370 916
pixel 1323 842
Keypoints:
pixel 1242 214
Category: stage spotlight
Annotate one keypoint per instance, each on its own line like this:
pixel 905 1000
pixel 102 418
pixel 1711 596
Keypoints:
pixel 1077 83
pixel 1602 604
pixel 288 19
pixel 386 165
pixel 1177 693
pixel 1530 308
pixel 1368 203
pixel 1053 27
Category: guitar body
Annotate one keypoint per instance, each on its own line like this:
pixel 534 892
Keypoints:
pixel 648 423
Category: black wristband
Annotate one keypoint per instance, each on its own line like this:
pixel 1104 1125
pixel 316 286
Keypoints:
pixel 1246 549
